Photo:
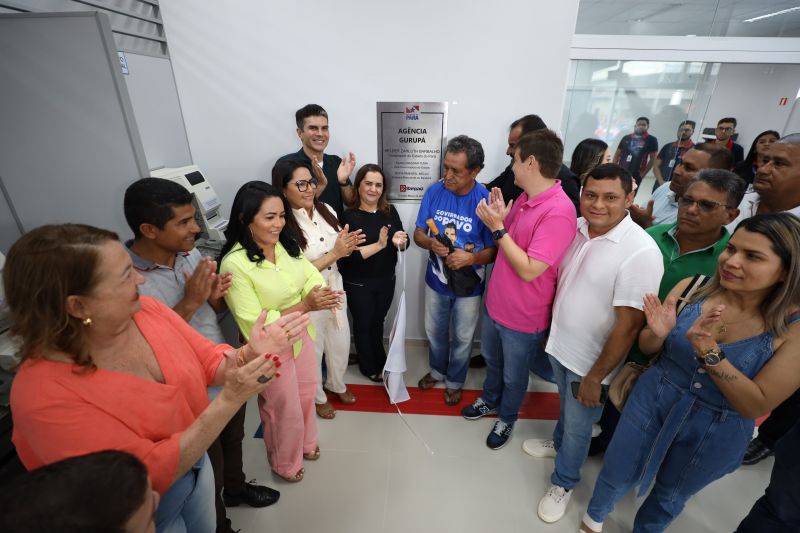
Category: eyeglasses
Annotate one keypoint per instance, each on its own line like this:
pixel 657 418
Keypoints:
pixel 724 128
pixel 706 206
pixel 302 185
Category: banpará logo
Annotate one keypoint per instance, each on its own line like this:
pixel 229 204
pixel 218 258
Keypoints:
pixel 406 188
pixel 412 113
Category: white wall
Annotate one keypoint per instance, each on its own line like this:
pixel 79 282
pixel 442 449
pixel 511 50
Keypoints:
pixel 751 93
pixel 243 67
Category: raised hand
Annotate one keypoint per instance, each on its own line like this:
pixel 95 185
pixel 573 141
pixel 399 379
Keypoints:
pixel 243 382
pixel 642 216
pixel 319 298
pixel 383 236
pixel 660 317
pixel 702 334
pixel 200 284
pixel 221 286
pixel 279 335
pixel 347 241
pixel 346 168
pixel 493 212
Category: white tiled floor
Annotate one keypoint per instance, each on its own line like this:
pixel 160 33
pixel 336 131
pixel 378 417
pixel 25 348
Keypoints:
pixel 376 476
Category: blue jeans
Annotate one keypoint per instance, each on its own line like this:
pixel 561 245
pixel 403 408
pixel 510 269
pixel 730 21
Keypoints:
pixel 707 444
pixel 573 433
pixel 449 358
pixel 188 505
pixel 507 353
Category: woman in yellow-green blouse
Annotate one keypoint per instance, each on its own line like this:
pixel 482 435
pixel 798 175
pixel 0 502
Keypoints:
pixel 270 272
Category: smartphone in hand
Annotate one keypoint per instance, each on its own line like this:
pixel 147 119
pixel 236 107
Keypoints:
pixel 603 391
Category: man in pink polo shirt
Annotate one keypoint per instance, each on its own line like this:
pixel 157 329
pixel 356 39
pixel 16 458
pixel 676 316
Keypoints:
pixel 532 237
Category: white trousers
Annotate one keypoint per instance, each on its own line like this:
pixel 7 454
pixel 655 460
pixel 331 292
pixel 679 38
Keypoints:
pixel 333 339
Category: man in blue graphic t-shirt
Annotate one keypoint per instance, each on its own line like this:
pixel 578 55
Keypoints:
pixel 454 280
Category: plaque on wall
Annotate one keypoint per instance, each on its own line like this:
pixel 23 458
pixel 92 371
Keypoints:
pixel 412 137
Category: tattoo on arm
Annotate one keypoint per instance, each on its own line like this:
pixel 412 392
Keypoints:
pixel 721 375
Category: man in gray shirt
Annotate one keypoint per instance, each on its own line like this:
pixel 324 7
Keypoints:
pixel 161 215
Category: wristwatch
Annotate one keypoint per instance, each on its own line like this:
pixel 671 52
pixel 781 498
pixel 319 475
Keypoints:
pixel 347 183
pixel 711 357
pixel 497 235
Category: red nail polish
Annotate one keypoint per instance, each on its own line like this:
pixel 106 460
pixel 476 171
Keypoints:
pixel 278 364
pixel 267 356
pixel 277 374
pixel 275 357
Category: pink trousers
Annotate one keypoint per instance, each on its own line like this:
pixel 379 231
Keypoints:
pixel 287 411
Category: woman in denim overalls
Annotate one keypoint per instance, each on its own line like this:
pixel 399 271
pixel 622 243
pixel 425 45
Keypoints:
pixel 729 357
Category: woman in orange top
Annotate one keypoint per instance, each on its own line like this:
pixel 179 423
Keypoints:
pixel 103 368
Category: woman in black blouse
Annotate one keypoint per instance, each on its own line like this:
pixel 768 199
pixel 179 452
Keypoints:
pixel 369 271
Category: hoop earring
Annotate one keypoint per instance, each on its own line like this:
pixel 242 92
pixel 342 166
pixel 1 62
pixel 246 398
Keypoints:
pixel 86 322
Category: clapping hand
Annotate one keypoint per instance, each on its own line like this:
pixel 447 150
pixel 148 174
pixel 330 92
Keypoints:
pixel 701 334
pixel 493 212
pixel 347 241
pixel 660 317
pixel 199 284
pixel 279 335
pixel 221 286
pixel 319 298
pixel 383 236
pixel 346 168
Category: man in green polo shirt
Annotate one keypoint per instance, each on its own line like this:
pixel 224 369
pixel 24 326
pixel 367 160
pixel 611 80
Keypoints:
pixel 690 246
pixel 314 134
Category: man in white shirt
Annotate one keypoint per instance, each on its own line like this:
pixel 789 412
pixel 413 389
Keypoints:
pixel 662 207
pixel 597 314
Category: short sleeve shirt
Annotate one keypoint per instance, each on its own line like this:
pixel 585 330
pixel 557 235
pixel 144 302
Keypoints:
pixel 543 226
pixel 634 149
pixel 669 155
pixel 454 215
pixel 167 285
pixel 596 275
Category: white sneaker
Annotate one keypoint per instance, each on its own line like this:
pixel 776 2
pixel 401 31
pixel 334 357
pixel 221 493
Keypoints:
pixel 553 504
pixel 590 526
pixel 539 447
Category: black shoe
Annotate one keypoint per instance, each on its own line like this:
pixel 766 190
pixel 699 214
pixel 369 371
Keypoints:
pixel 756 452
pixel 352 359
pixel 477 362
pixel 252 495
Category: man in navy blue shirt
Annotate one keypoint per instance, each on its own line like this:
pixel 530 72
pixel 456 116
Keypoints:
pixel 454 280
pixel 671 153
pixel 314 133
pixel 637 151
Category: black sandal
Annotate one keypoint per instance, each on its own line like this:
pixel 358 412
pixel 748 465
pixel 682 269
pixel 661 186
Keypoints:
pixel 376 378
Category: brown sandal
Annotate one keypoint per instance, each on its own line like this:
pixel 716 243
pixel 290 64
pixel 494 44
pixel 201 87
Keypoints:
pixel 294 479
pixel 427 382
pixel 325 410
pixel 346 397
pixel 452 396
pixel 312 456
